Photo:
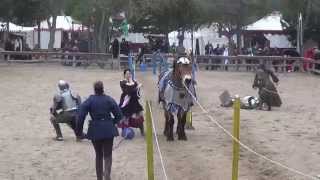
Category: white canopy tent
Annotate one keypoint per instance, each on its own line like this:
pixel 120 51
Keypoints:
pixel 15 28
pixel 272 23
pixel 205 35
pixel 268 23
pixel 63 22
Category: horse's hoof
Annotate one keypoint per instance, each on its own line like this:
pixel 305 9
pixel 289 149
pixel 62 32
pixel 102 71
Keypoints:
pixel 170 139
pixel 190 128
pixel 183 138
pixel 165 133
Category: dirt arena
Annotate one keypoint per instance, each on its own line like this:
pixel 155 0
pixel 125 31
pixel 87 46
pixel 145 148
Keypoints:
pixel 290 134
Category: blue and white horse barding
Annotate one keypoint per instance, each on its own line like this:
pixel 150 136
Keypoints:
pixel 175 97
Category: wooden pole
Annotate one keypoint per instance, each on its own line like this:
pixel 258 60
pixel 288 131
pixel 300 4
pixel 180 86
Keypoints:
pixel 149 137
pixel 236 133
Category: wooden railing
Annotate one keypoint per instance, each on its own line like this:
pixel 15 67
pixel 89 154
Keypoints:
pixel 69 58
pixel 250 63
pixel 219 63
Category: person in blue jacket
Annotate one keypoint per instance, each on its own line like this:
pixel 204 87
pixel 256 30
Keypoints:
pixel 105 114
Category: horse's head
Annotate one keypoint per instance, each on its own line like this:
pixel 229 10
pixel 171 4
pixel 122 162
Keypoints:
pixel 183 70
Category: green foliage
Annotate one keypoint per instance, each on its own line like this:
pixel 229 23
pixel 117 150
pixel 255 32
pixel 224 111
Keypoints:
pixel 164 16
pixel 95 14
pixel 310 10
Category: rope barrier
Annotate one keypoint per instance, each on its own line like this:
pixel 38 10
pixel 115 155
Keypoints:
pixel 158 146
pixel 118 145
pixel 247 147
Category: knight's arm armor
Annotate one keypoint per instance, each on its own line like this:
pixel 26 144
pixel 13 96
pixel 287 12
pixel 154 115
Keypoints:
pixel 57 100
pixel 77 98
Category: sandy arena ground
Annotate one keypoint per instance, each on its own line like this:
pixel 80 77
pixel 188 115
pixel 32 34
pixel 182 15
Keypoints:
pixel 290 134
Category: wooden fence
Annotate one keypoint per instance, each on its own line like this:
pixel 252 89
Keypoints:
pixel 250 63
pixel 217 63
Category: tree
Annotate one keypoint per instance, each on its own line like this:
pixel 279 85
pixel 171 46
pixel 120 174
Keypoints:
pixel 21 12
pixel 231 16
pixel 310 10
pixel 96 15
pixel 49 10
pixel 165 16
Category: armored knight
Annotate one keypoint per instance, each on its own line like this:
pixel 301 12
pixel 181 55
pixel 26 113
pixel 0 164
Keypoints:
pixel 64 109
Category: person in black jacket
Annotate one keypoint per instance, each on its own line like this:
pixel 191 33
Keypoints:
pixel 129 103
pixel 105 114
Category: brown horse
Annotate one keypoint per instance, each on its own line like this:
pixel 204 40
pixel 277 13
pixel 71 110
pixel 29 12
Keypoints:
pixel 175 98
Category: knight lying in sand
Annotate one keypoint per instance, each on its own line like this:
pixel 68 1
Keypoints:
pixel 246 102
pixel 268 94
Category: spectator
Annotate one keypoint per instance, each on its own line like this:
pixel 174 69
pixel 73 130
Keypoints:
pixel 115 48
pixel 317 59
pixel 173 48
pixel 141 54
pixel 309 55
pixel 207 48
pixel 124 47
pixel 215 51
pixel 197 47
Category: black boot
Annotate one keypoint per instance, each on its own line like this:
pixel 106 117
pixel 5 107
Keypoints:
pixel 57 128
pixel 142 130
pixel 107 167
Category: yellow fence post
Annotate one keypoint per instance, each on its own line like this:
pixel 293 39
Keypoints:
pixel 189 121
pixel 236 133
pixel 149 137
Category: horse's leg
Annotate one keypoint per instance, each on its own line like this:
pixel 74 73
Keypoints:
pixel 165 132
pixel 169 126
pixel 182 118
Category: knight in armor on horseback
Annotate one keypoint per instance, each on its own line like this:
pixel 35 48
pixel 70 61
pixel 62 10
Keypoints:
pixel 176 93
pixel 64 109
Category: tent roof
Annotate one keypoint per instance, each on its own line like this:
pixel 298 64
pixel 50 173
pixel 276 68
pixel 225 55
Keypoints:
pixel 16 28
pixel 63 22
pixel 271 22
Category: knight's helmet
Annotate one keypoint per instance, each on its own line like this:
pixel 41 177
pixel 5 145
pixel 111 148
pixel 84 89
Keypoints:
pixel 68 101
pixel 63 85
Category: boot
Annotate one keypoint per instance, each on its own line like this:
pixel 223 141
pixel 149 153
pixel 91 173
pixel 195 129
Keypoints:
pixel 142 130
pixel 57 128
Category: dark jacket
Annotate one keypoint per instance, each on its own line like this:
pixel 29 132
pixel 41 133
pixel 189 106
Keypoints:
pixel 104 112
